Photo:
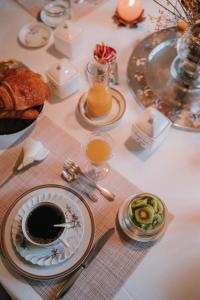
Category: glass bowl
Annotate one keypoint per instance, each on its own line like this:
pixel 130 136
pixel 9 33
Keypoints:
pixel 144 216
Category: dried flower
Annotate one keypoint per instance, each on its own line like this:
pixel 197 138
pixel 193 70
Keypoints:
pixel 186 10
pixel 104 54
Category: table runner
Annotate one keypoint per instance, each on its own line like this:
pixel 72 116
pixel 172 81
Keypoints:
pixel 78 9
pixel 119 257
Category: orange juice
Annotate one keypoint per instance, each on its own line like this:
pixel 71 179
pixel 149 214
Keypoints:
pixel 99 100
pixel 98 150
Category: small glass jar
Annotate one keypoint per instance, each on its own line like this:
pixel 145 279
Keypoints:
pixel 56 12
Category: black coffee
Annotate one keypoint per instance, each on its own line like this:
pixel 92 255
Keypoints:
pixel 39 224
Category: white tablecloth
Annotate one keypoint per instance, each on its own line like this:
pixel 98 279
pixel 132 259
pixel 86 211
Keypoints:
pixel 171 269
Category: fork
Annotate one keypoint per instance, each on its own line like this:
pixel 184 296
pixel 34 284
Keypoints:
pixel 70 178
pixel 74 169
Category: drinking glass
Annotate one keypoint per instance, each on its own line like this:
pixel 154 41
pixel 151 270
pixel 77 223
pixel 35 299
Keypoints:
pixel 98 150
pixel 55 12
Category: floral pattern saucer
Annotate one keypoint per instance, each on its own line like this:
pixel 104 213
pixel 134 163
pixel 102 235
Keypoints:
pixel 56 253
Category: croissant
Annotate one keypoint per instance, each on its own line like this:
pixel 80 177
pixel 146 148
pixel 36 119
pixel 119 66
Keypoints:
pixel 28 114
pixel 21 89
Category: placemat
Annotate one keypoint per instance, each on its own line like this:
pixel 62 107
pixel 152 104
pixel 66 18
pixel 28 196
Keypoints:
pixel 119 257
pixel 78 9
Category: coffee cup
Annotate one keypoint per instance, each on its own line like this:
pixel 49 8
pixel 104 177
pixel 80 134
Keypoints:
pixel 38 225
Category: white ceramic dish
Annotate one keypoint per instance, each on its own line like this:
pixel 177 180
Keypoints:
pixel 34 35
pixel 68 38
pixel 116 113
pixel 55 254
pixel 64 79
pixel 52 271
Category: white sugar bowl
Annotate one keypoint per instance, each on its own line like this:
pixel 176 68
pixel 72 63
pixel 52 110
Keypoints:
pixel 63 78
pixel 150 128
pixel 68 38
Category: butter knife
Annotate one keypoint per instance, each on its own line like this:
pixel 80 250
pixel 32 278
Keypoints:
pixel 93 253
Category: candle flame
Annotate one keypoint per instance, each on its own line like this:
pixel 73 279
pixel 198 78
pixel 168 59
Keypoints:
pixel 131 2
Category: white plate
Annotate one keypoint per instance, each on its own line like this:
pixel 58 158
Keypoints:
pixel 35 35
pixel 55 254
pixel 122 215
pixel 116 113
pixel 53 271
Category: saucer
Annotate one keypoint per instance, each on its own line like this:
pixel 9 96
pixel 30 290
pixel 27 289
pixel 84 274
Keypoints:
pixel 34 35
pixel 116 113
pixel 34 271
pixel 122 216
pixel 56 253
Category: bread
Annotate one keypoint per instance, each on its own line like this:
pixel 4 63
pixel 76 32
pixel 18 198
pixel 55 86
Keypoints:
pixel 28 114
pixel 21 90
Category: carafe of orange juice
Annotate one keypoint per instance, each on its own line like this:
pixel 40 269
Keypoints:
pixel 99 98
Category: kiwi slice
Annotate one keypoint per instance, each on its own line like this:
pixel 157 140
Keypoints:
pixel 130 212
pixel 157 220
pixel 159 207
pixel 138 202
pixel 153 202
pixel 144 215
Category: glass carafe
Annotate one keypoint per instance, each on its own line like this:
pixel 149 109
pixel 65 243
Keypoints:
pixel 99 98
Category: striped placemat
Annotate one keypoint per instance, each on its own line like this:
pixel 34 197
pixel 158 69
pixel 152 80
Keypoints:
pixel 119 257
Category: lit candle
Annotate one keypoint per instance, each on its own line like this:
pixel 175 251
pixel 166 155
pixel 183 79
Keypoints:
pixel 129 10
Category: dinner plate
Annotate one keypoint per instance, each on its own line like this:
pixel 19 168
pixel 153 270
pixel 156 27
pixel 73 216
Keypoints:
pixel 34 35
pixel 122 216
pixel 52 271
pixel 116 113
pixel 57 253
pixel 13 126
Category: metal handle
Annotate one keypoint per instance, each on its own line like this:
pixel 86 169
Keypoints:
pixel 71 178
pixel 4 181
pixel 69 283
pixel 106 193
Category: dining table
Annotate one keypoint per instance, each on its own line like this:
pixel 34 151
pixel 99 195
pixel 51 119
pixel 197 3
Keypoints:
pixel 171 268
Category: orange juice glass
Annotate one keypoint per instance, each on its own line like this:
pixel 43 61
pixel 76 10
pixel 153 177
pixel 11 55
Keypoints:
pixel 98 151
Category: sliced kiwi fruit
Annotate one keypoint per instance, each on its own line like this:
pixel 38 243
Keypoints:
pixel 130 212
pixel 157 220
pixel 159 208
pixel 144 215
pixel 138 202
pixel 153 202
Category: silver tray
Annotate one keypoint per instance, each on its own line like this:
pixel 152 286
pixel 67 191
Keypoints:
pixel 149 76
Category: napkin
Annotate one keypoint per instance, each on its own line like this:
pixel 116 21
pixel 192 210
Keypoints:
pixel 150 128
pixel 152 122
pixel 32 151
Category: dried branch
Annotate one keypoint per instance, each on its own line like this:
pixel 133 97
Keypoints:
pixel 185 11
pixel 173 13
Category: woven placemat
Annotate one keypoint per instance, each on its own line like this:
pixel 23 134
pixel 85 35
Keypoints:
pixel 78 9
pixel 119 257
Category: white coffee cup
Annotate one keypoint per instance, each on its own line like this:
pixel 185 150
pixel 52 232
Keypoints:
pixel 38 225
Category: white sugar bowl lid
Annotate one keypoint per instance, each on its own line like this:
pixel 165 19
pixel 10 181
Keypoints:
pixel 68 31
pixel 61 72
pixel 152 122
